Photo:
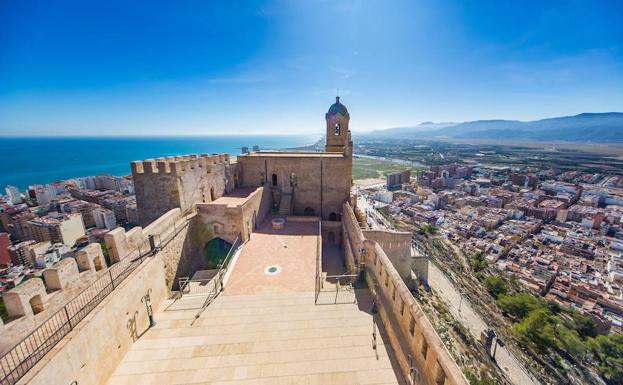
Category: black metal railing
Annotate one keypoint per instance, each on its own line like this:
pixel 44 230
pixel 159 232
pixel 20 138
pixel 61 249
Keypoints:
pixel 217 283
pixel 318 282
pixel 25 354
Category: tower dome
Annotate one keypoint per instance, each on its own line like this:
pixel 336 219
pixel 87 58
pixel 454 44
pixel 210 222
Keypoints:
pixel 338 107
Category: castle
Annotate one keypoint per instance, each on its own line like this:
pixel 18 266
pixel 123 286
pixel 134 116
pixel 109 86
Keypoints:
pixel 293 298
pixel 300 183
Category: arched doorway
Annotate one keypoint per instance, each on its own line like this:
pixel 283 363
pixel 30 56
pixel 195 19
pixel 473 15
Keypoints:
pixel 215 251
pixel 274 179
pixel 309 212
pixel 333 217
pixel 331 237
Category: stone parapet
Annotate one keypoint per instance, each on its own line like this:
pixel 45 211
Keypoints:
pixel 420 352
pixel 177 165
pixel 91 258
pixel 26 299
pixel 62 274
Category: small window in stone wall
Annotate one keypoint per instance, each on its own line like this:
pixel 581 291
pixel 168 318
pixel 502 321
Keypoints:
pixel 440 378
pixel 412 326
pixel 402 308
pixel 387 280
pixel 424 348
pixel 394 294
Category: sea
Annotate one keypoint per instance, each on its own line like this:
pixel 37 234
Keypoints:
pixel 27 161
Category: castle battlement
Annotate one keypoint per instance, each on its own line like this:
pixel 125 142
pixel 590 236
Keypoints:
pixel 177 165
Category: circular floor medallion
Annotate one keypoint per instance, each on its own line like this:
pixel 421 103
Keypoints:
pixel 272 270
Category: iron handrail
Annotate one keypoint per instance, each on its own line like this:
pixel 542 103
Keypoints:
pixel 318 262
pixel 34 346
pixel 218 285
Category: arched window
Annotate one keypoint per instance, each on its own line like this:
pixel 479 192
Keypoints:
pixel 274 179
pixel 333 217
pixel 337 129
pixel 309 211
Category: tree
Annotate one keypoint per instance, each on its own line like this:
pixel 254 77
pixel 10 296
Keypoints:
pixel 478 263
pixel 608 352
pixel 538 329
pixel 520 305
pixel 584 325
pixel 569 340
pixel 496 286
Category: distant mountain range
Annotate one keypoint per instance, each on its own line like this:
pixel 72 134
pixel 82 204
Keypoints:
pixel 586 127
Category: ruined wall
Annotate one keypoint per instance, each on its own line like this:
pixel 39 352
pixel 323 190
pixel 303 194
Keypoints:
pixel 165 183
pixel 323 181
pixel 409 331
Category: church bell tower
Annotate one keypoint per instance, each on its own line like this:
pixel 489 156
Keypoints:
pixel 338 133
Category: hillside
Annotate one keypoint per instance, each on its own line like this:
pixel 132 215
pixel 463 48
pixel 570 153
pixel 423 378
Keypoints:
pixel 586 127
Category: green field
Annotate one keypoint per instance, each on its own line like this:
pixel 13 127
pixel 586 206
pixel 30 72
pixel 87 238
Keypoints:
pixel 371 168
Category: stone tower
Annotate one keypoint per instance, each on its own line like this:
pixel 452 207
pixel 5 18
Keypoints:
pixel 338 134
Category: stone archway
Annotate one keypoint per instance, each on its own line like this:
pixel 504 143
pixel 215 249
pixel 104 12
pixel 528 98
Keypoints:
pixel 214 252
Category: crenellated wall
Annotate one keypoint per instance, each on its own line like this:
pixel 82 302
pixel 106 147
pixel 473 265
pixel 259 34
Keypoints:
pixel 410 333
pixel 34 300
pixel 93 349
pixel 90 353
pixel 162 184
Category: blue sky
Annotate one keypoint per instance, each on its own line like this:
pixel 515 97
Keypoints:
pixel 235 67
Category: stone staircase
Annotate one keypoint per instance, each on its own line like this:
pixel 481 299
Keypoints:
pixel 285 205
pixel 268 338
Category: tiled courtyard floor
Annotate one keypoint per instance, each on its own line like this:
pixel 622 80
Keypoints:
pixel 264 329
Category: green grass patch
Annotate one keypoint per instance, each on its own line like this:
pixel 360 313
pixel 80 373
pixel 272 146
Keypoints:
pixel 372 168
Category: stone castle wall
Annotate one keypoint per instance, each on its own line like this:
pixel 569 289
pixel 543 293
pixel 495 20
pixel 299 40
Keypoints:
pixel 165 183
pixel 31 302
pixel 397 245
pixel 323 182
pixel 91 352
pixel 409 331
pixel 95 347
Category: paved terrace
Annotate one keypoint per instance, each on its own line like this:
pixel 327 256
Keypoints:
pixel 264 329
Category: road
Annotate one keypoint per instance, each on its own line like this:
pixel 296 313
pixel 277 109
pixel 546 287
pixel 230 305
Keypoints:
pixel 475 324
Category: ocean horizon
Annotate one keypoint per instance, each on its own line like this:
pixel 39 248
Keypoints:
pixel 40 160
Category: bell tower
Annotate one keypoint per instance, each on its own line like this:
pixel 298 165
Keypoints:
pixel 338 133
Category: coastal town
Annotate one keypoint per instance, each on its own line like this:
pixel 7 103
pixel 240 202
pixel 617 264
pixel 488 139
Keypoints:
pixel 49 222
pixel 559 233
pixel 554 233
